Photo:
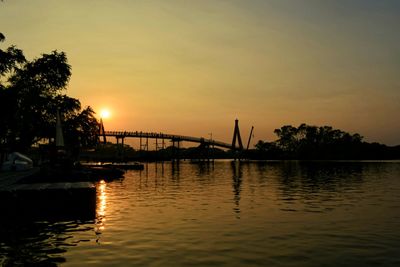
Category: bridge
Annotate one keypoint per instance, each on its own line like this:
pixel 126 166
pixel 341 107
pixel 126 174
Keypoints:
pixel 163 136
pixel 175 139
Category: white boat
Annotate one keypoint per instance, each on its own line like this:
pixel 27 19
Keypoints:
pixel 17 162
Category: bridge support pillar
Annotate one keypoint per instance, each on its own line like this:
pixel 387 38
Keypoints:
pixel 120 146
pixel 144 146
pixel 205 152
pixel 175 150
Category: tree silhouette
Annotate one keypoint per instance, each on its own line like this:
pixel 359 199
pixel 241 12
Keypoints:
pixel 30 94
pixel 313 142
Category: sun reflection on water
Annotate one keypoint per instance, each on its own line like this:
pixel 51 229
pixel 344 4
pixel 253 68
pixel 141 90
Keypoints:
pixel 101 206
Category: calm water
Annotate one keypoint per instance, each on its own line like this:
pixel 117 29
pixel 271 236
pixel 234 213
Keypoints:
pixel 248 214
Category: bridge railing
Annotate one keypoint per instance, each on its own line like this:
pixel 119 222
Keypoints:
pixel 167 136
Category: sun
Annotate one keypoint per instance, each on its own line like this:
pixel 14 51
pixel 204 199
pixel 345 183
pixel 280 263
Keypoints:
pixel 105 114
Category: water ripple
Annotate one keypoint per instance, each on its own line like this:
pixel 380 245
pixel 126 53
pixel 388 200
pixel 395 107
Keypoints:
pixel 226 214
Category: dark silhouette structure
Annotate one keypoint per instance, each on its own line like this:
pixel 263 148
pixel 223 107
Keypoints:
pixel 250 136
pixel 101 131
pixel 175 139
pixel 236 136
pixel 207 150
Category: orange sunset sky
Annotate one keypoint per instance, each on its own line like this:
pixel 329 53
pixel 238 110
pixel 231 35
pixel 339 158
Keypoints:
pixel 192 67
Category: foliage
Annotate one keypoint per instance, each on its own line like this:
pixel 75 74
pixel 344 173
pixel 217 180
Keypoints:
pixel 30 94
pixel 324 142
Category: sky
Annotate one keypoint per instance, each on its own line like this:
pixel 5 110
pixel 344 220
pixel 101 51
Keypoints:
pixel 193 67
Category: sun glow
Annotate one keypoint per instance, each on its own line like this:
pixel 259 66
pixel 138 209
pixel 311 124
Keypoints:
pixel 105 114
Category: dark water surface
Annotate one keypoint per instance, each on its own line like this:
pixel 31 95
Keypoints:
pixel 247 214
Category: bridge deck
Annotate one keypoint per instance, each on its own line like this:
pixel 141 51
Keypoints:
pixel 173 137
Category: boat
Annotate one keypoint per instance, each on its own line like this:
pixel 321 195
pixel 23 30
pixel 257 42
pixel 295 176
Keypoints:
pixel 17 162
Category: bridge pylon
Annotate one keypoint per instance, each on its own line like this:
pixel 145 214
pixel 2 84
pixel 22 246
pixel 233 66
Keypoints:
pixel 102 133
pixel 236 136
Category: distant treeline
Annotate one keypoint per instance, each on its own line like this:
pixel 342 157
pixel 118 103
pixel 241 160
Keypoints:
pixel 314 143
pixel 117 152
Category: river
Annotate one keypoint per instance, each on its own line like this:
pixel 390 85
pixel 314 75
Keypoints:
pixel 277 213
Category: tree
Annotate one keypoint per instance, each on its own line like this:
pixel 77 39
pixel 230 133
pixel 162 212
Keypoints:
pixel 30 94
pixel 287 137
pixel 82 129
pixel 312 142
